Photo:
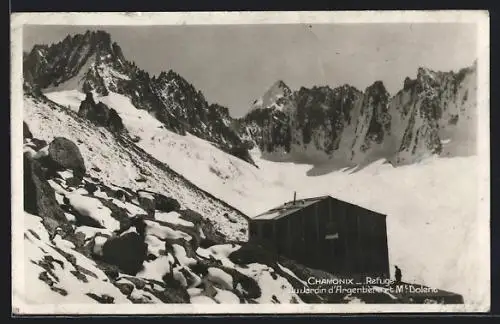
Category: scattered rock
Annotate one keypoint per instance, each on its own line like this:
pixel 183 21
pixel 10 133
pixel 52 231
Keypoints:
pixel 112 273
pixel 138 283
pixel 121 195
pixel 118 213
pixel 253 253
pixel 128 252
pixel 103 299
pixel 147 202
pixel 90 187
pixel 37 144
pixel 74 182
pixel 175 296
pixel 60 291
pixel 125 287
pixel 166 204
pixel 210 235
pixel 80 276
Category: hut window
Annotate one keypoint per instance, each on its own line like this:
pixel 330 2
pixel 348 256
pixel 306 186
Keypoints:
pixel 331 231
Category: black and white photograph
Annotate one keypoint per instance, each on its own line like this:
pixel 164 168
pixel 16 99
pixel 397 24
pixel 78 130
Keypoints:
pixel 252 162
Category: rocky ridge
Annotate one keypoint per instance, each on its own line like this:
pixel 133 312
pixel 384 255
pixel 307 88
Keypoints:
pixel 433 114
pixel 93 62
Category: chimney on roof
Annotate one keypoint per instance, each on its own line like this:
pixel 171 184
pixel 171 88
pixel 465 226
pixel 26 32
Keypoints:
pixel 294 197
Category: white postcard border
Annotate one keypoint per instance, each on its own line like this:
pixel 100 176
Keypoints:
pixel 480 18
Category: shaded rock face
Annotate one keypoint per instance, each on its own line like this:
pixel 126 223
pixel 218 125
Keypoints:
pixel 66 155
pixel 39 196
pixel 128 252
pixel 114 122
pixel 30 189
pixel 26 131
pixel 100 114
pixel 269 129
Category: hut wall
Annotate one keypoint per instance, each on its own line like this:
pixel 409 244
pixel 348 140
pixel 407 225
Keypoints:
pixel 359 250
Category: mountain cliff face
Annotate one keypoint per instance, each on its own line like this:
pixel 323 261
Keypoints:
pixel 93 63
pixel 432 114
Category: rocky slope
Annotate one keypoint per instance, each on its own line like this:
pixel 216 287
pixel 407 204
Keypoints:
pixel 432 114
pixel 78 226
pixel 115 159
pixel 92 62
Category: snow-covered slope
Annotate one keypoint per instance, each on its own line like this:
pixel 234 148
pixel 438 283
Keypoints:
pixel 432 213
pixel 122 163
pixel 87 241
pixel 197 160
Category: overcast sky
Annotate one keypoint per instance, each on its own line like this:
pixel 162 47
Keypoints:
pixel 234 65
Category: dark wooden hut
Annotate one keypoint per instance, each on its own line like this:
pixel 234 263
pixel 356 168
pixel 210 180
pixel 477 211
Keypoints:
pixel 327 233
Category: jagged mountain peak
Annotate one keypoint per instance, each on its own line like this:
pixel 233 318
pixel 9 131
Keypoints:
pixel 96 39
pixel 346 89
pixel 168 75
pixel 280 84
pixel 377 88
pixel 72 62
pixel 274 97
pixel 424 74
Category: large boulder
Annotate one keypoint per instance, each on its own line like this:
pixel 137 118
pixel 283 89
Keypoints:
pixel 66 155
pixel 252 252
pixel 40 199
pixel 166 204
pixel 127 251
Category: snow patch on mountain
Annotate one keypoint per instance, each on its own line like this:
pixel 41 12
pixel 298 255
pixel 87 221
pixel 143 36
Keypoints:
pixel 275 97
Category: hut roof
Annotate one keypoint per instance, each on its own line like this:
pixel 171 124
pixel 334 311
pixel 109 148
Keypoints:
pixel 290 207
